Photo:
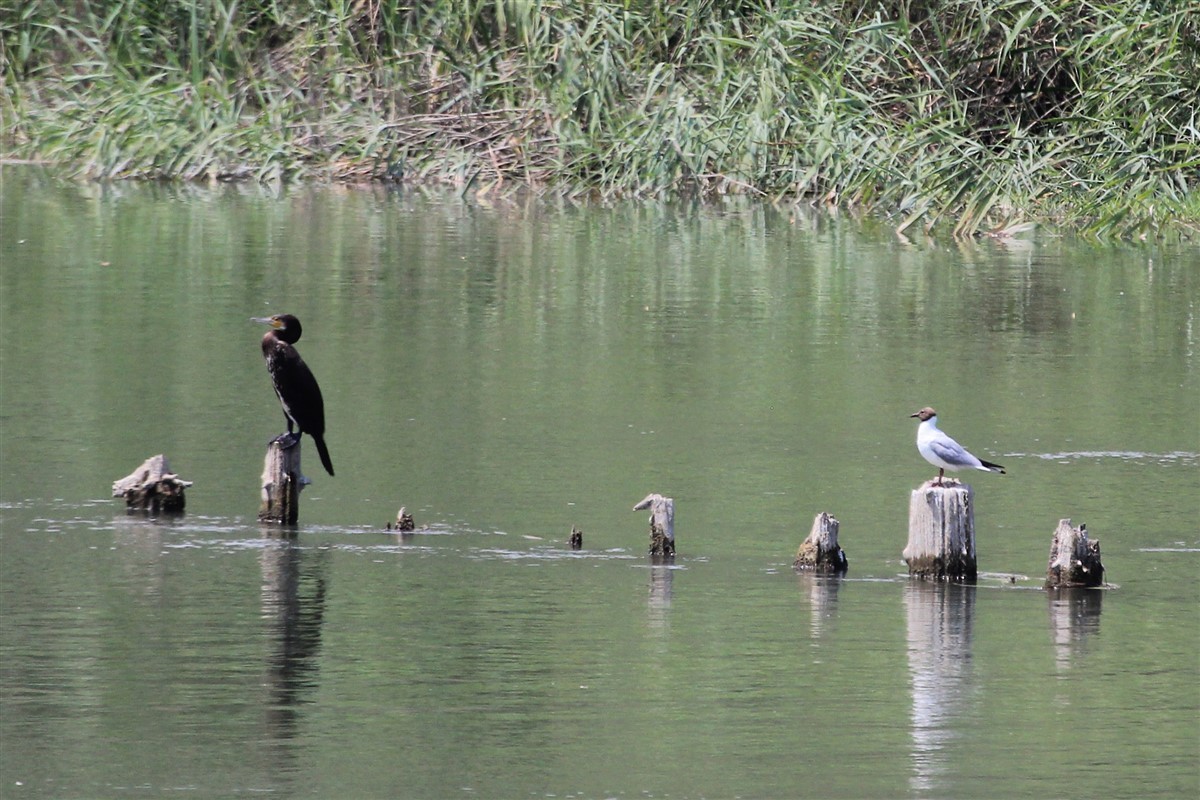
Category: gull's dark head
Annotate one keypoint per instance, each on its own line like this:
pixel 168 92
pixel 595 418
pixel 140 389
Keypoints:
pixel 924 414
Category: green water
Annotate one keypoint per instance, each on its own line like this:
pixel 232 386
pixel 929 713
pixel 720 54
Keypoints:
pixel 508 368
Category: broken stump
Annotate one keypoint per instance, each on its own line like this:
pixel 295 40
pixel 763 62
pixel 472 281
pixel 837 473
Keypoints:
pixel 152 487
pixel 1074 559
pixel 282 482
pixel 576 540
pixel 404 522
pixel 941 531
pixel 819 551
pixel 662 523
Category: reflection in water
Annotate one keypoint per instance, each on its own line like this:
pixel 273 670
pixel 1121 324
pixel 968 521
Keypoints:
pixel 659 603
pixel 293 599
pixel 940 617
pixel 822 598
pixel 139 540
pixel 1074 616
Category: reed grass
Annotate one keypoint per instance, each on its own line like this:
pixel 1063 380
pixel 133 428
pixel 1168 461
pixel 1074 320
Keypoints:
pixel 970 115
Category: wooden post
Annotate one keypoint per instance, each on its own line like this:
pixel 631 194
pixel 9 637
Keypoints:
pixel 941 532
pixel 820 551
pixel 576 540
pixel 282 482
pixel 662 523
pixel 1074 559
pixel 152 487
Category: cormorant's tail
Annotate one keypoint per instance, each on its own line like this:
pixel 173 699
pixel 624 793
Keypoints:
pixel 323 451
pixel 989 465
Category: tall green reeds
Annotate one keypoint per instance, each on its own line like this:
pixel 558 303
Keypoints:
pixel 967 114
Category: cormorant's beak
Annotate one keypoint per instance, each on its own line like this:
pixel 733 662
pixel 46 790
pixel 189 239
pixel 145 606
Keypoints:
pixel 272 321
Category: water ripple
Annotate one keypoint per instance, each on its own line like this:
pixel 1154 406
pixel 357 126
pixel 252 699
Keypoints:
pixel 1174 457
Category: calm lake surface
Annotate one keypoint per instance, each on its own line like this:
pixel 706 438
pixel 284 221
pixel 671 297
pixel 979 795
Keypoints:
pixel 506 369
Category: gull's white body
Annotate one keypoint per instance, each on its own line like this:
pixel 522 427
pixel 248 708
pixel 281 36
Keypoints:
pixel 942 451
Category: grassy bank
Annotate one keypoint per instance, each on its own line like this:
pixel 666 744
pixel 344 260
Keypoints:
pixel 970 114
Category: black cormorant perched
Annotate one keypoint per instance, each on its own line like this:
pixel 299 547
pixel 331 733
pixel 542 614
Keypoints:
pixel 294 383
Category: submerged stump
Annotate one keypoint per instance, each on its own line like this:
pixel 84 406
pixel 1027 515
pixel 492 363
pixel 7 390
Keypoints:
pixel 662 523
pixel 575 542
pixel 152 487
pixel 941 531
pixel 282 482
pixel 404 522
pixel 1074 559
pixel 819 551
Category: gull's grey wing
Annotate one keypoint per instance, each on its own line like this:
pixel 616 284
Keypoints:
pixel 952 452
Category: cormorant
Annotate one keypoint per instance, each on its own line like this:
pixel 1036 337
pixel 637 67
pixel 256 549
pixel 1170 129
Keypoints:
pixel 294 383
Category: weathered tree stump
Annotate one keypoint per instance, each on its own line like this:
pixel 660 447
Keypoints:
pixel 404 522
pixel 1074 559
pixel 941 532
pixel 152 487
pixel 282 482
pixel 576 540
pixel 819 551
pixel 662 523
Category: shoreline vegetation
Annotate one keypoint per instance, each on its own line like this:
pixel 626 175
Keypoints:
pixel 974 116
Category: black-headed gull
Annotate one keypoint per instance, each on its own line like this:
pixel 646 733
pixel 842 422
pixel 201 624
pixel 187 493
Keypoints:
pixel 942 451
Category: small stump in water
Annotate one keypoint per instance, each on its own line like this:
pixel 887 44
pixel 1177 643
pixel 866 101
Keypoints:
pixel 662 523
pixel 820 552
pixel 1074 559
pixel 404 522
pixel 575 542
pixel 152 487
pixel 282 482
pixel 941 531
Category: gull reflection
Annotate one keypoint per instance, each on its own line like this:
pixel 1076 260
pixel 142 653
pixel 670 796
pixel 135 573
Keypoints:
pixel 940 637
